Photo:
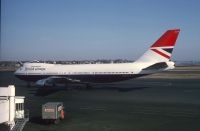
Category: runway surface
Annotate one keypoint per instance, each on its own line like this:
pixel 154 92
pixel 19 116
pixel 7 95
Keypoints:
pixel 145 104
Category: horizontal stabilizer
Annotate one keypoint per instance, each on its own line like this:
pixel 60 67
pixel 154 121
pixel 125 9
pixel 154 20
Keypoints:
pixel 157 66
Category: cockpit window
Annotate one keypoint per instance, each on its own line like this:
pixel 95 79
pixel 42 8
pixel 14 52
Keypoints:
pixel 35 61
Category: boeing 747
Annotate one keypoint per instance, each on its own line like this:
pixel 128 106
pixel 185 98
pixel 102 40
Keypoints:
pixel 155 59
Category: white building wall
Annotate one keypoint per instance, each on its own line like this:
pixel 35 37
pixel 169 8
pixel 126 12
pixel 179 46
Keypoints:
pixel 7 91
pixel 7 105
pixel 4 110
pixel 8 102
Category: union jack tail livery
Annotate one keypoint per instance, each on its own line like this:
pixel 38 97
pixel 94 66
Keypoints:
pixel 161 50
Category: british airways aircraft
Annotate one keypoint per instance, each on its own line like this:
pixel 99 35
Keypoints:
pixel 155 59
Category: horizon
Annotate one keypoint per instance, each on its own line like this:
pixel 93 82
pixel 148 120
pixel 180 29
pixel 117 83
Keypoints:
pixel 91 30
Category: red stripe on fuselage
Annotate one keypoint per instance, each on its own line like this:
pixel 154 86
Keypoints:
pixel 160 53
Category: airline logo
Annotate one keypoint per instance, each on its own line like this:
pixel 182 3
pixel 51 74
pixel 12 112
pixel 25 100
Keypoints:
pixel 163 51
pixel 165 44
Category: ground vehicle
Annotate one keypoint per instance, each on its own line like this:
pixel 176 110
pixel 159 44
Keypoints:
pixel 53 112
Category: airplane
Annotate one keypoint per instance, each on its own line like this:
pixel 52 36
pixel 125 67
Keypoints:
pixel 156 59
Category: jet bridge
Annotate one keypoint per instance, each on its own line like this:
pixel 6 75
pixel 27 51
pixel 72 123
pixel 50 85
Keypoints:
pixel 12 113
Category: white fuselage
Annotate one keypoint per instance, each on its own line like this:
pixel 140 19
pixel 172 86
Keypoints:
pixel 99 73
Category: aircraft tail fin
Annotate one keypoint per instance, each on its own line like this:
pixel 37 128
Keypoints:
pixel 161 50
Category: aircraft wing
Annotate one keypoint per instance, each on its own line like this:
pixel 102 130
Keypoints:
pixel 56 80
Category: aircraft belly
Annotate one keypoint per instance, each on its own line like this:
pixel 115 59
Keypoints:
pixel 101 78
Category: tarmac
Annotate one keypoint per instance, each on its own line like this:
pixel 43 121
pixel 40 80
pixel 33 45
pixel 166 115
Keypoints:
pixel 162 102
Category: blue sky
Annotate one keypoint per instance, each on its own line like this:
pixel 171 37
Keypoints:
pixel 96 29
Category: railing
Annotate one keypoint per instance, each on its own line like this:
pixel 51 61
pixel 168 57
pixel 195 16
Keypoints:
pixel 20 123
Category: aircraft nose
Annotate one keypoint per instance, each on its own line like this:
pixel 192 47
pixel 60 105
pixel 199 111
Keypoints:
pixel 17 71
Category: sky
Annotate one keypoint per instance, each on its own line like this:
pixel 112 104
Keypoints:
pixel 96 29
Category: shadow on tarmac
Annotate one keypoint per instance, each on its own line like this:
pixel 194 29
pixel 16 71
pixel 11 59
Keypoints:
pixel 45 91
